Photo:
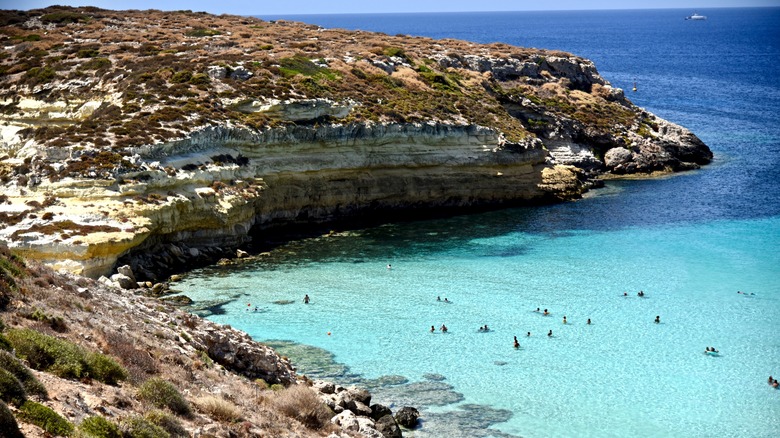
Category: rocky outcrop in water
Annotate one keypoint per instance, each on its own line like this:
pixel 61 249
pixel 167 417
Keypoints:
pixel 166 152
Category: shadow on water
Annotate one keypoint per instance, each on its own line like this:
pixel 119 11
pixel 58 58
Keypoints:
pixel 461 421
pixel 689 198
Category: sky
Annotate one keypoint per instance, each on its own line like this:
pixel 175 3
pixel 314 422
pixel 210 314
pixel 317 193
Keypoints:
pixel 281 7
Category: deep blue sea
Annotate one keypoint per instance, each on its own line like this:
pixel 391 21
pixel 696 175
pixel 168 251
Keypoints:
pixel 704 246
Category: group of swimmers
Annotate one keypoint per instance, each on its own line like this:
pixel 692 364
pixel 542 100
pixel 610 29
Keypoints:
pixel 710 350
pixel 773 382
pixel 546 312
pixel 639 294
pixel 443 328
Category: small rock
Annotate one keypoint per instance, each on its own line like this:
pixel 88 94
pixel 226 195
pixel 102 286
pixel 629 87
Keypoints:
pixel 159 288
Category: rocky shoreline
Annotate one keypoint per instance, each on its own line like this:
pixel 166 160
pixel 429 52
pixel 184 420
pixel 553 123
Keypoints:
pixel 205 360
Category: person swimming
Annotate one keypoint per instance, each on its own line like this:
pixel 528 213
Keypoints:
pixel 529 334
pixel 446 300
pixel 549 333
pixel 657 319
pixel 546 313
pixel 433 329
pixel 516 344
pixel 640 293
pixel 306 299
pixel 537 310
pixel 443 328
pixel 564 319
pixel 588 321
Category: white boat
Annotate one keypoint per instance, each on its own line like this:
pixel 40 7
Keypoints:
pixel 696 16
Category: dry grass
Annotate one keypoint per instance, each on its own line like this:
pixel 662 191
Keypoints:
pixel 218 408
pixel 301 403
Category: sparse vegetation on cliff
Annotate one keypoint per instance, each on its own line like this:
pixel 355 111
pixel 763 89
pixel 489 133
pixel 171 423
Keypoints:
pixel 172 59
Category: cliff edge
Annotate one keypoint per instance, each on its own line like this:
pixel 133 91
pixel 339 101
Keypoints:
pixel 160 138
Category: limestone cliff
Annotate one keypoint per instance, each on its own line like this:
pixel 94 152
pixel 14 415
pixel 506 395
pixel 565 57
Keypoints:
pixel 167 137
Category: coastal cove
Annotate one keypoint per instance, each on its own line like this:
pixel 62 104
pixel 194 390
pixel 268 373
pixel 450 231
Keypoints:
pixel 689 241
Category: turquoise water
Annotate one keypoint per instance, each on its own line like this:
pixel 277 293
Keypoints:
pixel 690 242
pixel 623 374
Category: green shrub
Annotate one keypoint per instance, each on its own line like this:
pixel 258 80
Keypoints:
pixel 64 359
pixel 31 384
pixel 200 79
pixel 47 353
pixel 98 427
pixel 45 418
pixel 64 17
pixel 167 422
pixel 202 32
pixel 5 345
pixel 11 389
pixel 96 64
pixel 40 75
pixel 105 369
pixel 8 423
pixel 181 76
pixel 395 52
pixel 162 394
pixel 298 64
pixel 88 53
pixel 137 427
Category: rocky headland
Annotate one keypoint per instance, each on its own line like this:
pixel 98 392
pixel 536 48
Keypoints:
pixel 162 139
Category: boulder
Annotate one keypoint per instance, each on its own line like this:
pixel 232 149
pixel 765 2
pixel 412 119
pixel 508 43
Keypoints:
pixel 240 73
pixel 387 426
pixel 359 395
pixel 216 72
pixel 346 420
pixel 378 411
pixel 359 408
pixel 127 271
pixel 368 428
pixel 407 417
pixel 124 282
pixel 325 387
pixel 617 157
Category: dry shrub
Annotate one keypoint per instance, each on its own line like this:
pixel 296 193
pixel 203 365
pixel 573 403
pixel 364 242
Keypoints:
pixel 218 408
pixel 139 364
pixel 302 403
pixel 410 78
